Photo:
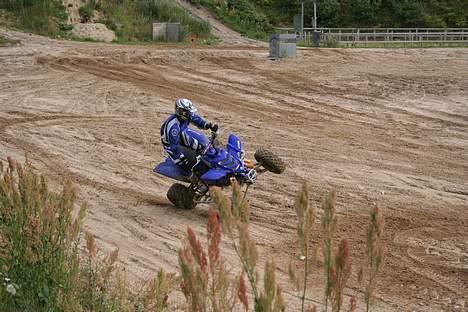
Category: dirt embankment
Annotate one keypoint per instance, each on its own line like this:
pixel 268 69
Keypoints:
pixel 386 127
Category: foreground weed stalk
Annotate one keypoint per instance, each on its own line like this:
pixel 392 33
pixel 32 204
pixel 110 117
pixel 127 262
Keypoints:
pixel 306 217
pixel 341 271
pixel 235 215
pixel 329 222
pixel 375 253
pixel 206 283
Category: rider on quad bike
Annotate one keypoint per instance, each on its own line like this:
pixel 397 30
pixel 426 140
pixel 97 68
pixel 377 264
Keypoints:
pixel 199 161
pixel 178 140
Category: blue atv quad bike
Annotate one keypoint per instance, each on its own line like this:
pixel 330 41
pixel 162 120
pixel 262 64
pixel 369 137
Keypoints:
pixel 215 166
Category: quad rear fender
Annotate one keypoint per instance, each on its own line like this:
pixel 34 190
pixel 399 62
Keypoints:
pixel 169 169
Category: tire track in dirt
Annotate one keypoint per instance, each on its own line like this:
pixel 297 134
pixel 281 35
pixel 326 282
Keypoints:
pixel 58 167
pixel 144 77
pixel 419 265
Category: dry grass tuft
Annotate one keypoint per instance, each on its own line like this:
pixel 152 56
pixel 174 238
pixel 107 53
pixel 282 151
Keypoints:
pixel 40 258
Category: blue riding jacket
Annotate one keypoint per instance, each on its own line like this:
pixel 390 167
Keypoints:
pixel 174 133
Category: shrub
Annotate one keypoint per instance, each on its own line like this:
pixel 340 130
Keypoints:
pixel 86 12
pixel 332 43
pixel 39 240
pixel 206 282
pixel 39 254
pixel 375 253
pixel 306 217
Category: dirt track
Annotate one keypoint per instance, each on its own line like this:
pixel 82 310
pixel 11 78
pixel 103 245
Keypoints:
pixel 386 127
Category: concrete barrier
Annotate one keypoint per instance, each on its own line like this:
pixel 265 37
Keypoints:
pixel 167 32
pixel 173 32
pixel 159 31
pixel 282 45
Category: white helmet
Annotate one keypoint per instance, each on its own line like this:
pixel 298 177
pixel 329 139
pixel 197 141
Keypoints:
pixel 184 109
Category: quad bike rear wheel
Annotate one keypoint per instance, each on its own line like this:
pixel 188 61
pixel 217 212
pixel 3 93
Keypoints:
pixel 270 161
pixel 181 196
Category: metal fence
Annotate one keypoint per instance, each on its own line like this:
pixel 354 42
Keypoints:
pixel 384 34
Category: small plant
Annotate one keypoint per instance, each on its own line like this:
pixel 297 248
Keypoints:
pixel 331 42
pixel 329 221
pixel 212 41
pixel 375 254
pixel 86 13
pixel 235 217
pixel 341 271
pixel 206 283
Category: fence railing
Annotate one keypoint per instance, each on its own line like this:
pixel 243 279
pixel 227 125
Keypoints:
pixel 383 34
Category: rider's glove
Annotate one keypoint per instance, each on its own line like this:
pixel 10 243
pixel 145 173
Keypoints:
pixel 200 148
pixel 212 126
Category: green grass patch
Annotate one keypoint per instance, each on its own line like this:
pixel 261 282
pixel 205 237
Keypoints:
pixel 44 17
pixel 242 16
pixel 5 42
pixel 132 20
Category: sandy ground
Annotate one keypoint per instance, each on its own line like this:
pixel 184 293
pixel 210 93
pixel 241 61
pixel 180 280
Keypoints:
pixel 386 127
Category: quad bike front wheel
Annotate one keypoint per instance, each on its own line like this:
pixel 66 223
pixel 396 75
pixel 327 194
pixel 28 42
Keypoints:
pixel 270 161
pixel 181 196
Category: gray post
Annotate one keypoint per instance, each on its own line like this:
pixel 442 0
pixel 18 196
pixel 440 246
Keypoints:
pixel 302 19
pixel 315 14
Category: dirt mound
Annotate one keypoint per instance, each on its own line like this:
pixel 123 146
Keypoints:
pixel 94 31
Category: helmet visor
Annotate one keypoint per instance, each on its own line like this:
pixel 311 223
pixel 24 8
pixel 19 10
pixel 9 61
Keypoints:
pixel 184 114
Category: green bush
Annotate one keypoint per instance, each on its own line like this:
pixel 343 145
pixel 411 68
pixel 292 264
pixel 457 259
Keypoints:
pixel 44 17
pixel 332 43
pixel 86 12
pixel 39 241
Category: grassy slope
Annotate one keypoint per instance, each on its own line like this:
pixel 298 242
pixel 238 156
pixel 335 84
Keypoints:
pixel 4 42
pixel 242 16
pixel 130 20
